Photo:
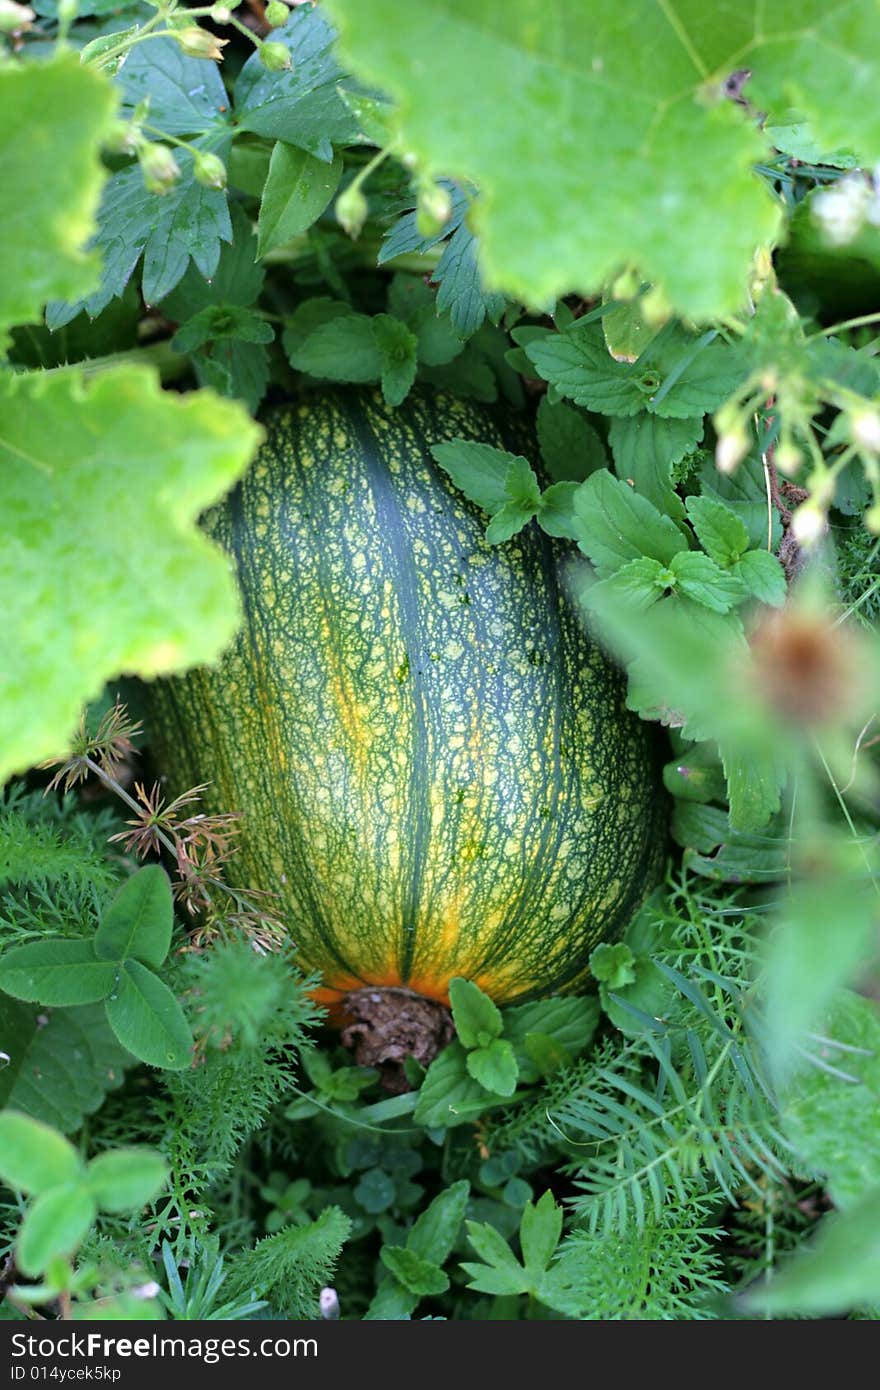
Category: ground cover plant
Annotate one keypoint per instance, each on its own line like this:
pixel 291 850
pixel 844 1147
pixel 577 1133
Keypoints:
pixel 614 273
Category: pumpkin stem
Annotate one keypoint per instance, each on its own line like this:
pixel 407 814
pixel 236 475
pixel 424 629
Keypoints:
pixel 389 1024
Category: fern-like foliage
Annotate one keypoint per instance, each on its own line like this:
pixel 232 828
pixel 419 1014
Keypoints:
pixel 289 1269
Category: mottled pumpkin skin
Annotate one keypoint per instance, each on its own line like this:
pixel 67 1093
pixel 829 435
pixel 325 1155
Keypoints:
pixel 435 764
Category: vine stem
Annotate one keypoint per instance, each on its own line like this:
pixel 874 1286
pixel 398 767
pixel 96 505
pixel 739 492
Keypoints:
pixel 844 325
pixel 162 355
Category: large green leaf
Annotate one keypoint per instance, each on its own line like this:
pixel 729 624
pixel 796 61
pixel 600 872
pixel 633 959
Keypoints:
pixel 600 134
pixel 53 116
pixel 102 567
pixel 59 1070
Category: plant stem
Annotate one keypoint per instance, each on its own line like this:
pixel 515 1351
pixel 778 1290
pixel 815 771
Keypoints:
pixel 842 327
pixel 171 365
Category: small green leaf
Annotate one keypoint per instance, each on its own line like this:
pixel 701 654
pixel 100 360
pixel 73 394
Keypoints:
pixel 613 965
pixel 637 584
pixel 570 447
pixel 507 522
pixel 539 1234
pixel 494 1066
pixel 139 920
pixel 342 348
pixel 147 1019
pixel 763 576
pixel 719 530
pixel 399 348
pixel 56 972
pixel 699 578
pixel 502 1272
pixel 33 1157
pixel 550 1032
pixel 55 1224
pixel 418 1275
pixel 435 1230
pixel 473 1013
pixel 126 1179
pixel 616 525
pixel 375 1191
pixel 556 511
pixel 479 470
pixel 449 1095
pixel 645 448
pixel 297 190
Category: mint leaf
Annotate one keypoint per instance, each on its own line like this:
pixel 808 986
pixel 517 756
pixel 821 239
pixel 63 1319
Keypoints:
pixel 398 348
pixel 420 1276
pixel 302 105
pixel 556 510
pixel 33 1157
pixel 645 448
pixel 138 921
pixel 616 525
pixel 494 1066
pixel 479 470
pixel 56 972
pixel 579 365
pixel 147 1019
pixel 763 576
pixel 720 531
pixel 570 447
pixel 521 487
pixel 220 321
pixel 297 190
pixel 342 349
pixel 54 115
pixel 435 1230
pixel 477 1019
pixel 85 600
pixel 637 584
pixel 699 578
pixel 549 1032
pixel 410 299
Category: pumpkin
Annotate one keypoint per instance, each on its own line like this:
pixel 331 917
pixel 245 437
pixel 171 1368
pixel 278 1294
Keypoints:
pixel 436 767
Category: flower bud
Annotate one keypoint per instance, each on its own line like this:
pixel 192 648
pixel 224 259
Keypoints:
pixel 274 56
pixel 808 522
pixel 159 167
pixel 865 428
pixel 209 169
pixel 221 14
pixel 277 13
pixel 198 43
pixel 787 457
pixel 731 449
pixel 14 18
pixel 123 138
pixel 872 519
pixel 433 209
pixel 351 210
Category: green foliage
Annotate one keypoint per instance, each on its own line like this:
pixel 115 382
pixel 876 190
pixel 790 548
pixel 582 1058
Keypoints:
pixel 288 1269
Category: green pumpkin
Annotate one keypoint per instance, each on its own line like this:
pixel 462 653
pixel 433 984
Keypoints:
pixel 436 767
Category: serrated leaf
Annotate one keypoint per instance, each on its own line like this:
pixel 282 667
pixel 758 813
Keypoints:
pixel 125 1179
pixel 147 1019
pixel 237 279
pixel 477 1019
pixel 616 525
pixel 410 299
pixel 301 106
pixel 570 447
pixel 55 1224
pixel 613 965
pixel 462 294
pixel 186 95
pixel 398 348
pixel 33 1157
pixel 763 576
pixel 579 365
pixel 139 920
pixel 719 530
pixel 479 470
pixel 56 971
pixel 420 1276
pixel 645 447
pixel 85 600
pixel 556 510
pixel 699 578
pixel 60 1069
pixel 494 1066
pixel 633 85
pixel 565 1024
pixel 298 188
pixel 638 584
pixel 343 348
pixel 54 116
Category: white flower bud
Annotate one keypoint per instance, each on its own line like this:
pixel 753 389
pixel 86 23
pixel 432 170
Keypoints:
pixel 731 449
pixel 865 427
pixel 808 523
